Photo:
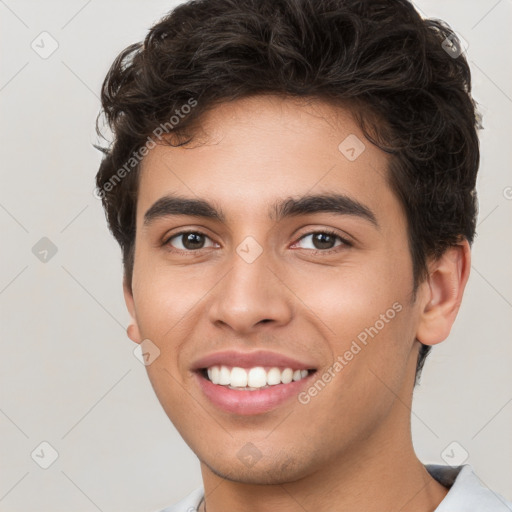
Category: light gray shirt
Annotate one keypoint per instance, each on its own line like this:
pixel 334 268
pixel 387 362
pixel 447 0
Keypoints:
pixel 466 494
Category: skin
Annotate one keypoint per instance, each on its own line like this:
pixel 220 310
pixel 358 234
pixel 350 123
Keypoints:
pixel 350 447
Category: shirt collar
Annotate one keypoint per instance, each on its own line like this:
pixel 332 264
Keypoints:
pixel 466 491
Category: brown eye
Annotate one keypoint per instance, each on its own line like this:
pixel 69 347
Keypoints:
pixel 324 241
pixel 188 241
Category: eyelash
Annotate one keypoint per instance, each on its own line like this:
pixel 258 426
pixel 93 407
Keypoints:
pixel 344 241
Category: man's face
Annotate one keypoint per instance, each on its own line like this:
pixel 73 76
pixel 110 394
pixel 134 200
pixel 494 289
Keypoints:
pixel 262 282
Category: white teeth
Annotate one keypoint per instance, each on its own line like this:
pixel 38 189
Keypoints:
pixel 287 376
pixel 274 376
pixel 224 376
pixel 238 377
pixel 254 378
pixel 257 377
pixel 215 375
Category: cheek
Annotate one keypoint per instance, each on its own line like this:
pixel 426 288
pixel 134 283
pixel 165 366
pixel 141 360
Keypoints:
pixel 163 300
pixel 163 297
pixel 363 310
pixel 351 297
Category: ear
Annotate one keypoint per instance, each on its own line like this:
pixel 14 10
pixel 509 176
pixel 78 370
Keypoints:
pixel 133 329
pixel 442 293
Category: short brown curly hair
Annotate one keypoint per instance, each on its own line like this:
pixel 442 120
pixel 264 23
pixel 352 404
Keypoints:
pixel 405 77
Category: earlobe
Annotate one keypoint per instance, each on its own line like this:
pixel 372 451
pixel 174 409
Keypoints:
pixel 133 333
pixel 443 291
pixel 132 330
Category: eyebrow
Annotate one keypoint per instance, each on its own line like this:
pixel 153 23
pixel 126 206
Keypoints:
pixel 173 205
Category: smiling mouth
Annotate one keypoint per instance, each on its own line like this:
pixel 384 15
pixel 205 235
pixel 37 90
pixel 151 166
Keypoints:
pixel 253 379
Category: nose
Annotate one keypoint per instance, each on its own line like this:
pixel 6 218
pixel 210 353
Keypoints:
pixel 250 295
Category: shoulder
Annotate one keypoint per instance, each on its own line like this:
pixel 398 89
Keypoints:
pixel 467 492
pixel 188 504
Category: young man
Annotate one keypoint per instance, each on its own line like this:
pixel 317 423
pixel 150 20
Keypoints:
pixel 292 183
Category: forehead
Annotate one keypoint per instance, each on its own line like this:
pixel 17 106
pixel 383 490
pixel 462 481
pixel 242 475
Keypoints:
pixel 249 153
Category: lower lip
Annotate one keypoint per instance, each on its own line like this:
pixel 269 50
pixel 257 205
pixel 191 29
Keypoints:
pixel 245 402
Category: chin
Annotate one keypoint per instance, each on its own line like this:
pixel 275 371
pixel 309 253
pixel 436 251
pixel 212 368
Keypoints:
pixel 284 470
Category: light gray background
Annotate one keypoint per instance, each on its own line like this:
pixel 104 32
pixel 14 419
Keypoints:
pixel 69 376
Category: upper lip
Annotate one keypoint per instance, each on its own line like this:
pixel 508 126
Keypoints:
pixel 250 360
